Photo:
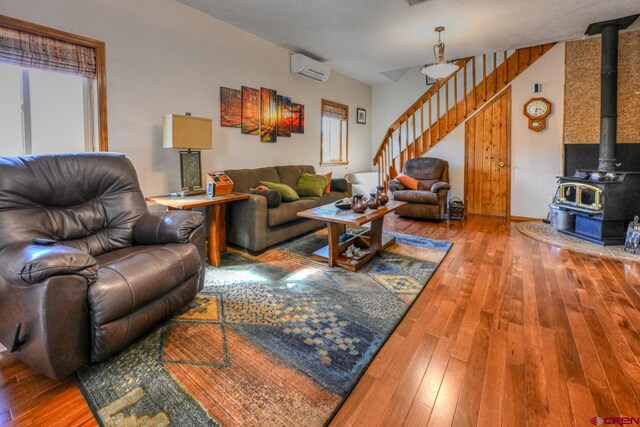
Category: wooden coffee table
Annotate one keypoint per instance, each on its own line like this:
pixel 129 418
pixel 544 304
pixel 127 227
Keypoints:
pixel 372 241
pixel 217 211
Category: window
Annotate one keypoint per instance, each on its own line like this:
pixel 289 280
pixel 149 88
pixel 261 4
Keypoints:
pixel 52 91
pixel 334 134
pixel 44 112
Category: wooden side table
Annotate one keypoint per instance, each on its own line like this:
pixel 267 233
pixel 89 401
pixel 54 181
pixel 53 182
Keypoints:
pixel 217 212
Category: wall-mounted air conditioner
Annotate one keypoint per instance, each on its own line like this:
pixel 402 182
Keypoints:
pixel 310 68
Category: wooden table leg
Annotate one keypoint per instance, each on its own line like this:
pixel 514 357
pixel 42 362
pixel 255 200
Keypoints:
pixel 334 246
pixel 217 234
pixel 376 234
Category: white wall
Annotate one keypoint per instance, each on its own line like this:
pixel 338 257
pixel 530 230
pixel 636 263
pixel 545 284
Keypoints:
pixel 165 57
pixel 536 157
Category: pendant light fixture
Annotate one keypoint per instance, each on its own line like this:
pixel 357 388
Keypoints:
pixel 440 68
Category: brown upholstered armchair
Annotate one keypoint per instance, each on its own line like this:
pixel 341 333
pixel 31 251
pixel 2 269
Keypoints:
pixel 430 199
pixel 85 269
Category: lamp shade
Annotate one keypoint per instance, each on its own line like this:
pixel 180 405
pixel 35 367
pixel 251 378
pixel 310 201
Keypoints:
pixel 439 71
pixel 186 132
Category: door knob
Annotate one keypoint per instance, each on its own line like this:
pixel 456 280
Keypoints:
pixel 503 164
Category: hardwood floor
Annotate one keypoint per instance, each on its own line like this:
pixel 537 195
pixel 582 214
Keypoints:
pixel 508 332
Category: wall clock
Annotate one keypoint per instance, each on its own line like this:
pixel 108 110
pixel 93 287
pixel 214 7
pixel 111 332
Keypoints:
pixel 537 110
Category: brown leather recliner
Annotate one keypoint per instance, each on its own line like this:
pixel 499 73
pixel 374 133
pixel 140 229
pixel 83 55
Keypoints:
pixel 114 270
pixel 429 201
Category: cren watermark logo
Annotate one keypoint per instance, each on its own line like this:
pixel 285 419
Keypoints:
pixel 615 421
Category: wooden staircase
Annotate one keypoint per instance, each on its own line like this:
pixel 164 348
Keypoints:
pixel 448 103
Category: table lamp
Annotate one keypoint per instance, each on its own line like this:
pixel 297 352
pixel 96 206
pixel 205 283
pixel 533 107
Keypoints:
pixel 188 134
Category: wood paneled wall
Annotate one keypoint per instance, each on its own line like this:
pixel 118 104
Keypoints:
pixel 582 90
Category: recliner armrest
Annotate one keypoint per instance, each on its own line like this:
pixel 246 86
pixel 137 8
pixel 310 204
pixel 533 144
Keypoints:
pixel 30 263
pixel 166 227
pixel 440 186
pixel 340 185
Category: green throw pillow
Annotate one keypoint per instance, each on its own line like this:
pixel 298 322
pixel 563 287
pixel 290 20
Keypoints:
pixel 288 194
pixel 310 185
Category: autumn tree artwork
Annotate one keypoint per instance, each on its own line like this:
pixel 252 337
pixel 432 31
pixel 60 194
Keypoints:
pixel 297 118
pixel 250 120
pixel 230 107
pixel 268 115
pixel 260 112
pixel 284 116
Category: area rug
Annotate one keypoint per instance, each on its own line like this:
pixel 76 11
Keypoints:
pixel 545 233
pixel 272 340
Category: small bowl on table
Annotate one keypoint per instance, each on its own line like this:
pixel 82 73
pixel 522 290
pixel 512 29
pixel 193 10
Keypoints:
pixel 343 204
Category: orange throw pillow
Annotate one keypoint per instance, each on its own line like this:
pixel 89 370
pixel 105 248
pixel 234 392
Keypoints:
pixel 328 187
pixel 407 181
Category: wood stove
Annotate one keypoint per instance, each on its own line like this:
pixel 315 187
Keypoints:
pixel 603 201
pixel 603 204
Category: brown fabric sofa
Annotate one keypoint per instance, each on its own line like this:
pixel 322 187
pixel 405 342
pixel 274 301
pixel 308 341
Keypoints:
pixel 254 226
pixel 429 201
pixel 114 270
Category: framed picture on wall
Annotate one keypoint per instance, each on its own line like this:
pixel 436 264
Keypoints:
pixel 268 115
pixel 361 116
pixel 250 114
pixel 297 118
pixel 230 107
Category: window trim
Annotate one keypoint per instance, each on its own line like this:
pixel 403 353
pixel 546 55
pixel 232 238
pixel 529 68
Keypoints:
pixel 346 108
pixel 101 69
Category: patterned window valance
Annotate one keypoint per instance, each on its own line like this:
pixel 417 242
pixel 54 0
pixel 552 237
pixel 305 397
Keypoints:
pixel 31 50
pixel 334 111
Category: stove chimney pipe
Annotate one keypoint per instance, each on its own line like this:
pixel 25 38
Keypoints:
pixel 609 88
pixel 609 99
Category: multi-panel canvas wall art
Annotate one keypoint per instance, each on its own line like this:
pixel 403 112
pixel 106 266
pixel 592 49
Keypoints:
pixel 297 118
pixel 260 112
pixel 268 115
pixel 284 116
pixel 230 107
pixel 250 123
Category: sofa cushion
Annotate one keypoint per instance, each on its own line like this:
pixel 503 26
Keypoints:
pixel 288 212
pixel 327 189
pixel 130 278
pixel 288 194
pixel 416 196
pixel 244 179
pixel 311 185
pixel 328 198
pixel 291 174
pixel 273 197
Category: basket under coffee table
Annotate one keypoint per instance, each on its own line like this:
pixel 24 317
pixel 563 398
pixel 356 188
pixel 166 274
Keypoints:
pixel 373 241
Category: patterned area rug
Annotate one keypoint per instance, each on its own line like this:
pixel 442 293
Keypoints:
pixel 272 340
pixel 545 233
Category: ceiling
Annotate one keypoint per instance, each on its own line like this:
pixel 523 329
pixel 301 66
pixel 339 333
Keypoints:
pixel 365 38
